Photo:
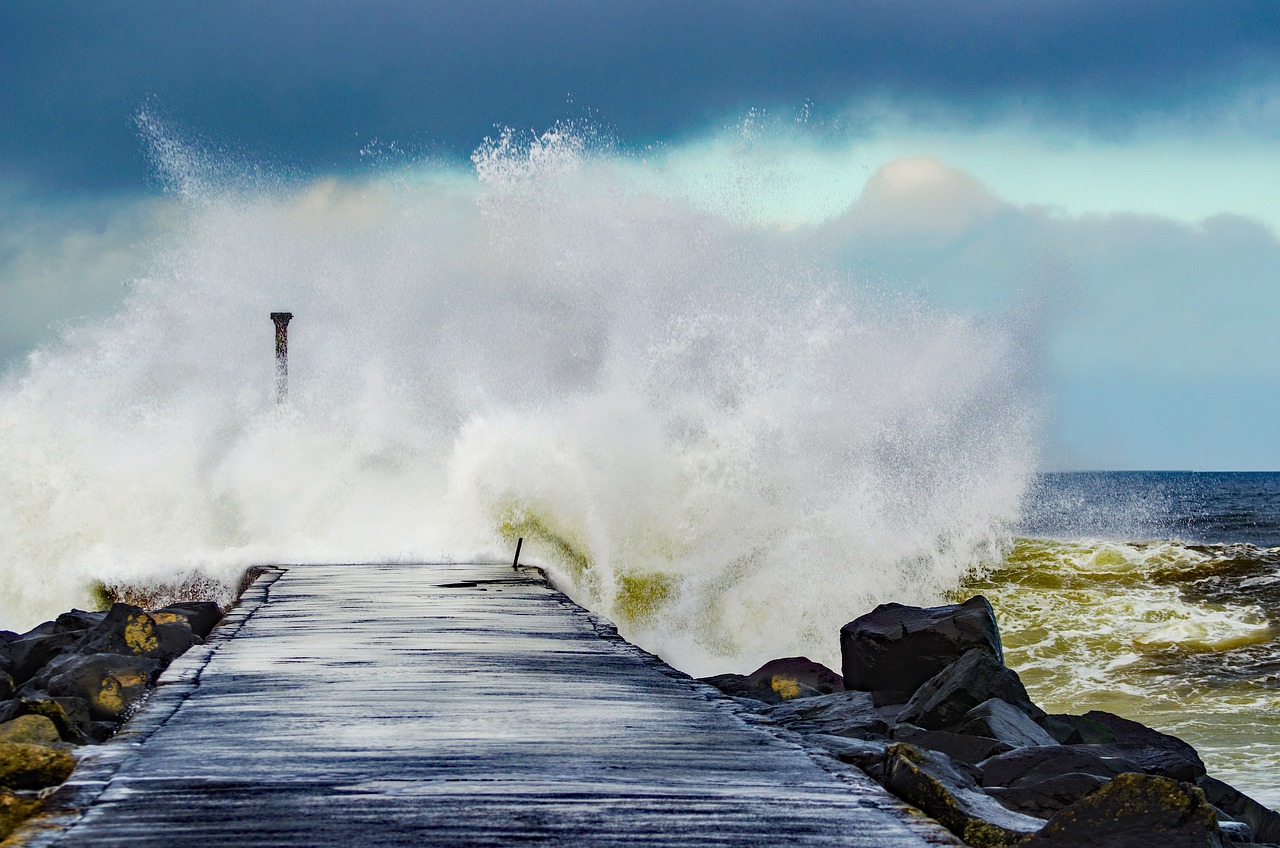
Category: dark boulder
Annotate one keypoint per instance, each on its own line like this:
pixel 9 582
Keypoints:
pixel 1025 766
pixel 894 648
pixel 841 714
pixel 1075 730
pixel 199 616
pixel 31 653
pixel 942 702
pixel 71 717
pixel 1000 720
pixel 1134 809
pixel 1153 752
pixel 741 686
pixel 796 673
pixel 931 782
pixel 113 685
pixel 25 766
pixel 77 621
pixel 866 754
pixel 1045 797
pixel 1262 820
pixel 960 747
pixel 125 630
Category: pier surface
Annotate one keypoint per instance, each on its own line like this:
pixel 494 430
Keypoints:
pixel 450 705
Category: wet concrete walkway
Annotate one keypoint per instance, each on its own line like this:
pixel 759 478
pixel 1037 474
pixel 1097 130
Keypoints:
pixel 450 705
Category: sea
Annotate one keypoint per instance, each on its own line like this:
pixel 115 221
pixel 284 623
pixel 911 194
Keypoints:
pixel 1155 596
pixel 710 431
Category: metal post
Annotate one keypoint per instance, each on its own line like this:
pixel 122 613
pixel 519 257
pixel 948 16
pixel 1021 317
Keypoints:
pixel 282 354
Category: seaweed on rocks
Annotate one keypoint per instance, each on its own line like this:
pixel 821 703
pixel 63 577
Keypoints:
pixel 74 681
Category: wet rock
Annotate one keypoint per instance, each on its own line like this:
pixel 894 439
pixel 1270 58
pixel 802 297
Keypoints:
pixel 1262 820
pixel 841 714
pixel 942 702
pixel 1045 797
pixel 1075 730
pixel 866 754
pixel 933 783
pixel 1025 766
pixel 894 648
pixel 31 653
pixel 796 674
pixel 25 766
pixel 175 639
pixel 1134 809
pixel 199 616
pixel 961 747
pixel 734 685
pixel 997 719
pixel 30 730
pixel 14 810
pixel 1153 752
pixel 112 685
pixel 125 630
pixel 77 621
pixel 71 717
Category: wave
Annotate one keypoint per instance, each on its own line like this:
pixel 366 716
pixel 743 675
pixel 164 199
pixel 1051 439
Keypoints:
pixel 706 429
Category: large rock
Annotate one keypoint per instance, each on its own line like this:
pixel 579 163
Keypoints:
pixel 943 701
pixel 1075 730
pixel 866 754
pixel 790 674
pixel 894 648
pixel 1030 765
pixel 14 810
pixel 113 685
pixel 997 719
pixel 125 630
pixel 31 653
pixel 199 616
pixel 33 766
pixel 840 714
pixel 1262 820
pixel 1131 810
pixel 780 680
pixel 70 715
pixel 958 746
pixel 930 781
pixel 1153 752
pixel 30 730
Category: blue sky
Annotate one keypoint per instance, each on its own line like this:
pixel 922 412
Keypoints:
pixel 1121 154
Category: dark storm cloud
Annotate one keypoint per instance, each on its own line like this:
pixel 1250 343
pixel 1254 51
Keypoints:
pixel 311 82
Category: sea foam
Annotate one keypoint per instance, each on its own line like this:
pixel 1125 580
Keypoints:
pixel 707 430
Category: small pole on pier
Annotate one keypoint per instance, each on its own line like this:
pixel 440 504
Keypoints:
pixel 281 320
pixel 515 563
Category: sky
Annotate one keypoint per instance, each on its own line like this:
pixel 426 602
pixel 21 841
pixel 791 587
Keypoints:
pixel 1121 154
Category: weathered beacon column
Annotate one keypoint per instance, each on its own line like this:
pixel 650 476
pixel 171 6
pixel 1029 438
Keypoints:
pixel 282 354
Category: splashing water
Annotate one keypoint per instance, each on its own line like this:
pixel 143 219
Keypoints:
pixel 708 433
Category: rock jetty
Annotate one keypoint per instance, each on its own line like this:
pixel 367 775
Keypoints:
pixel 73 681
pixel 926 706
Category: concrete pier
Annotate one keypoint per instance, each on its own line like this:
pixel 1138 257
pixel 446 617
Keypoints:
pixel 450 705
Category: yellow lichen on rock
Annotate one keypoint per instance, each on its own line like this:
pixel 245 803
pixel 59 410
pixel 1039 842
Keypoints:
pixel 140 634
pixel 30 730
pixel 14 810
pixel 785 688
pixel 24 766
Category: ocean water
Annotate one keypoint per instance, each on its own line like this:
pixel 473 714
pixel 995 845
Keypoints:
pixel 1156 596
pixel 707 430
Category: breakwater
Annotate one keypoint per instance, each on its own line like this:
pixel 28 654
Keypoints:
pixel 341 705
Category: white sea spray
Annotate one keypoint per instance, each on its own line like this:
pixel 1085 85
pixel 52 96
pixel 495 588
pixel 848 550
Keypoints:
pixel 704 428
